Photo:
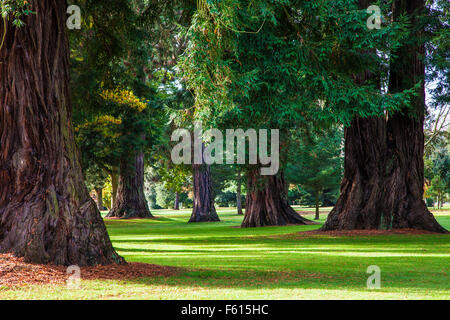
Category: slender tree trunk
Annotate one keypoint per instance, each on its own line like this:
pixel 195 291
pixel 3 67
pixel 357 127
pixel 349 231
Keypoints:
pixel 130 201
pixel 238 194
pixel 267 203
pixel 317 217
pixel 177 201
pixel 405 138
pixel 99 192
pixel 114 185
pixel 46 213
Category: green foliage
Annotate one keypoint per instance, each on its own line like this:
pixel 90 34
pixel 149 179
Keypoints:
pixel 12 9
pixel 429 202
pixel 176 177
pixel 437 172
pixel 164 198
pixel 99 142
pixel 15 9
pixel 94 177
pixel 316 162
pixel 225 199
pixel 438 53
pixel 162 183
pixel 272 63
pixel 115 103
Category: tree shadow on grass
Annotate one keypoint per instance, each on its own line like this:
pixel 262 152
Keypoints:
pixel 271 280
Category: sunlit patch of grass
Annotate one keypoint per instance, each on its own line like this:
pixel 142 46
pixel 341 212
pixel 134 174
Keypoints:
pixel 222 261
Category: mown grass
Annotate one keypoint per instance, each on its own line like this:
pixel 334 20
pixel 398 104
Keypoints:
pixel 221 261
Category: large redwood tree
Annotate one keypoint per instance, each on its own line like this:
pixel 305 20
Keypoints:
pixel 405 207
pixel 46 213
pixel 361 201
pixel 383 179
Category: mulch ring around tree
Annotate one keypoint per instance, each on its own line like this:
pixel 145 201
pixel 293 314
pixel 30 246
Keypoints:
pixel 16 272
pixel 357 233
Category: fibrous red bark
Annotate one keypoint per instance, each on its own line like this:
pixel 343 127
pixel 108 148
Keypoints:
pixel 130 198
pixel 361 201
pixel 114 186
pixel 46 213
pixel 384 170
pixel 267 203
pixel 405 137
pixel 204 209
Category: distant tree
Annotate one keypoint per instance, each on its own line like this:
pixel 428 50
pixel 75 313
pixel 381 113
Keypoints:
pixel 437 172
pixel 176 179
pixel 316 162
pixel 96 180
pixel 115 74
pixel 98 140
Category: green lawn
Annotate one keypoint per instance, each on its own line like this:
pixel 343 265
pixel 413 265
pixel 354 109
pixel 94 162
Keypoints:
pixel 220 261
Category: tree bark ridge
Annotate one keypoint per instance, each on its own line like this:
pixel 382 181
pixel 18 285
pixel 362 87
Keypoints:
pixel 46 213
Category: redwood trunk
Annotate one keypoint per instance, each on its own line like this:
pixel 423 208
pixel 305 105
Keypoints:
pixel 204 210
pixel 130 199
pixel 114 185
pixel 361 200
pixel 405 138
pixel 99 192
pixel 383 178
pixel 46 213
pixel 267 203
pixel 238 195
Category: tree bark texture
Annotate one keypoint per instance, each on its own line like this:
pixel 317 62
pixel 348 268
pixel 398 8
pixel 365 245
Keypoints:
pixel 383 179
pixel 130 199
pixel 204 210
pixel 361 201
pixel 46 213
pixel 114 186
pixel 267 203
pixel 405 137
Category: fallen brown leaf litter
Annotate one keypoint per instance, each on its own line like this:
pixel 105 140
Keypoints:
pixel 15 272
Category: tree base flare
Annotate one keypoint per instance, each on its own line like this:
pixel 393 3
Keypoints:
pixel 382 189
pixel 266 203
pixel 130 199
pixel 204 209
pixel 77 236
pixel 46 213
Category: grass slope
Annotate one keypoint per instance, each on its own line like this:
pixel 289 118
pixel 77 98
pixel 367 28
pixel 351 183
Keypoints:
pixel 220 261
